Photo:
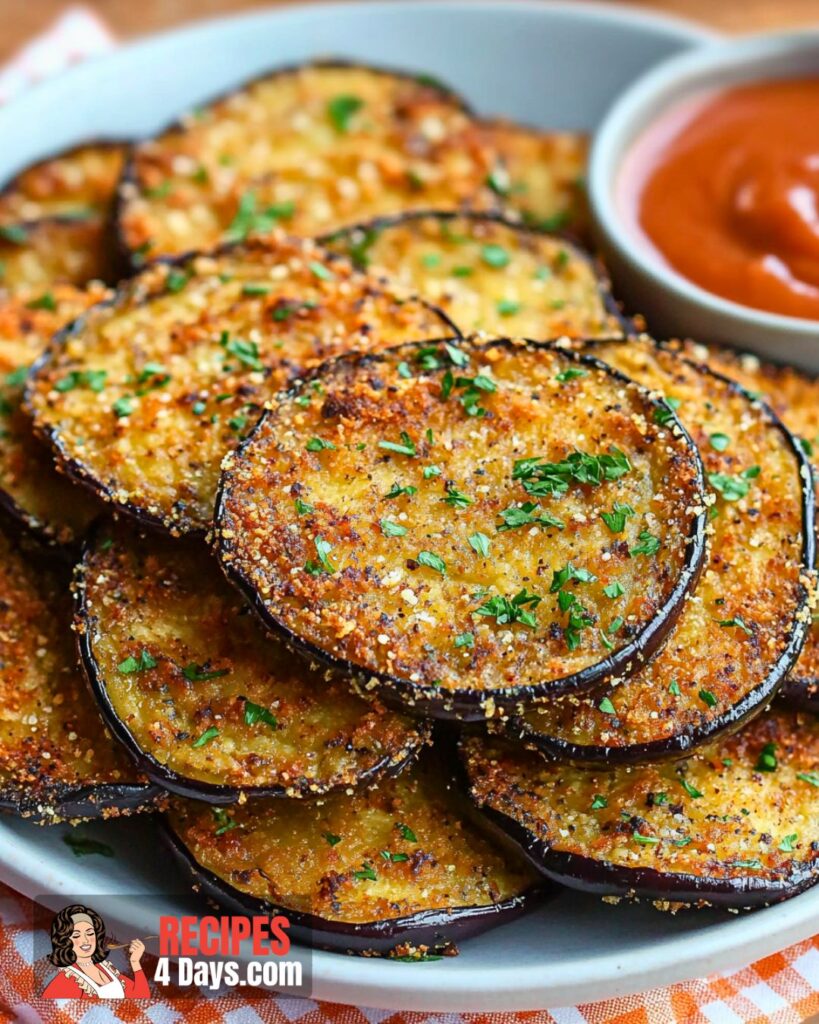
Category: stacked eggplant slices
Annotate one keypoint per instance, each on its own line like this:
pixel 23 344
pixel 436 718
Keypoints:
pixel 356 532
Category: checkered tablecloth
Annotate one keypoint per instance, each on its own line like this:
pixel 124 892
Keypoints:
pixel 781 989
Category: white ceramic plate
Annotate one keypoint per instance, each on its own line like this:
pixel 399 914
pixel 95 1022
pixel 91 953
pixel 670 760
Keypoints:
pixel 557 65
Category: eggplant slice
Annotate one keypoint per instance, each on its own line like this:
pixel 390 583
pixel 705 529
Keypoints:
pixel 742 631
pixel 143 397
pixel 795 397
pixel 398 869
pixel 206 704
pixel 465 527
pixel 36 255
pixel 57 760
pixel 489 274
pixel 73 185
pixel 736 824
pixel 32 493
pixel 543 174
pixel 313 148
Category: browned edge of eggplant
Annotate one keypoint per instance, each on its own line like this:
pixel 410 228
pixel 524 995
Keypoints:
pixel 158 773
pixel 602 878
pixel 86 802
pixel 753 702
pixel 468 705
pixel 598 269
pixel 75 469
pixel 131 262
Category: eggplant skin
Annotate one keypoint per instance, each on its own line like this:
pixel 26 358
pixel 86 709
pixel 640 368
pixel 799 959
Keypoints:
pixel 323 737
pixel 420 147
pixel 377 398
pixel 219 335
pixel 469 264
pixel 714 830
pixel 735 643
pixel 71 803
pixel 794 396
pixel 397 868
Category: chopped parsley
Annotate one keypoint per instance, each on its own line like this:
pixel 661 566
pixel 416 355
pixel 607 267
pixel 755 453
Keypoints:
pixel 256 713
pixel 45 301
pixel 340 110
pixel 223 820
pixel 664 413
pixel 456 498
pixel 303 508
pixel 323 549
pixel 507 610
pixel 527 514
pixel 406 832
pixel 367 873
pixel 788 844
pixel 83 846
pixel 599 802
pixel 495 256
pixel 545 478
pixel 571 374
pixel 692 791
pixel 708 698
pixel 248 218
pixel 479 543
pixel 199 674
pixel 206 737
pixel 320 271
pixel 812 778
pixel 465 640
pixel 616 519
pixel 606 706
pixel 318 444
pixel 247 352
pixel 735 622
pixel 719 442
pixel 94 380
pixel 645 840
pixel 507 307
pixel 132 665
pixel 391 529
pixel 767 762
pixel 648 544
pixel 432 561
pixel 614 589
pixel 123 407
pixel 396 491
pixel 732 488
pixel 331 839
pixel 405 447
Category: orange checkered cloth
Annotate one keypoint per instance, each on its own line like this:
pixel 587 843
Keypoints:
pixel 781 989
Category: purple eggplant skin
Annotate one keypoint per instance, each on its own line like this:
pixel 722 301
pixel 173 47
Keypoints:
pixel 754 702
pixel 469 705
pixel 86 802
pixel 433 928
pixel 129 262
pixel 802 694
pixel 76 471
pixel 610 304
pixel 159 774
pixel 602 878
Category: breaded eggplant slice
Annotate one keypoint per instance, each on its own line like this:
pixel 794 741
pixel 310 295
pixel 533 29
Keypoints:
pixel 397 869
pixel 36 255
pixel 743 628
pixel 736 824
pixel 207 704
pixel 489 274
pixel 466 527
pixel 32 492
pixel 73 184
pixel 795 397
pixel 542 175
pixel 143 397
pixel 57 760
pixel 313 148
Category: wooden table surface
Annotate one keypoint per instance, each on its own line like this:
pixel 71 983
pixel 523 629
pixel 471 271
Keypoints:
pixel 21 19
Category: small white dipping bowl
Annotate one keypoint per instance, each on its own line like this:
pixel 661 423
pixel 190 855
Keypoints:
pixel 673 305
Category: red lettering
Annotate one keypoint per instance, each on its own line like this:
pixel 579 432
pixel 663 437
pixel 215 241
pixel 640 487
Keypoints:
pixel 281 940
pixel 168 936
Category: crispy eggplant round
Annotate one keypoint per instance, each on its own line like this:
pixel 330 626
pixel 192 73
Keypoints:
pixel 489 274
pixel 312 147
pixel 143 397
pixel 207 704
pixel 72 184
pixel 32 493
pixel 736 824
pixel 35 255
pixel 795 397
pixel 466 527
pixel 396 869
pixel 542 175
pixel 57 760
pixel 742 630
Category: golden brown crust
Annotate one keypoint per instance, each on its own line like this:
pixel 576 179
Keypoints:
pixel 32 490
pixel 489 275
pixel 53 744
pixel 795 397
pixel 316 521
pixel 185 668
pixel 750 605
pixel 396 850
pixel 744 810
pixel 36 255
pixel 314 147
pixel 144 397
pixel 75 183
pixel 543 175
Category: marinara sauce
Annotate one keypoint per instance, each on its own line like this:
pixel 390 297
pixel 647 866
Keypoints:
pixel 726 188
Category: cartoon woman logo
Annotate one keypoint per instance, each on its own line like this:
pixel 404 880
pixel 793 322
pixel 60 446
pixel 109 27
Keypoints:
pixel 79 949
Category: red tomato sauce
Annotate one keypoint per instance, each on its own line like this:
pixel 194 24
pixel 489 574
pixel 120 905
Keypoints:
pixel 726 189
